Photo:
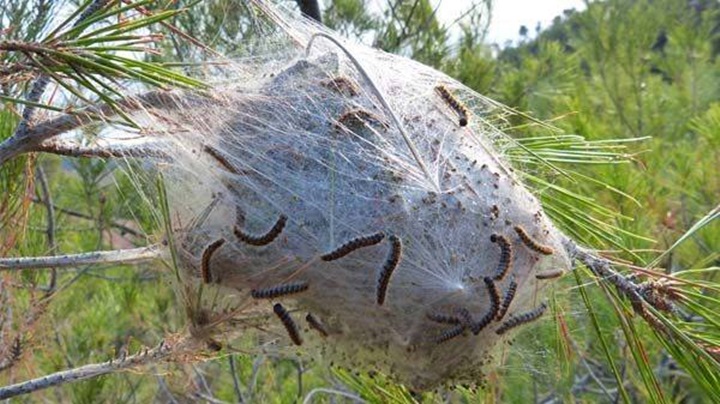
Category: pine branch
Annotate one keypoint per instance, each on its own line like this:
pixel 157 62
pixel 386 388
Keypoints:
pixel 162 351
pixel 32 139
pixel 129 256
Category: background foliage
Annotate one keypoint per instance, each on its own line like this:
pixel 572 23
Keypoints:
pixel 619 69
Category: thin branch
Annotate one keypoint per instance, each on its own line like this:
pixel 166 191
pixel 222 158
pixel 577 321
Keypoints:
pixel 236 381
pixel 72 149
pixel 81 215
pixel 163 351
pixel 50 208
pixel 33 139
pixel 129 256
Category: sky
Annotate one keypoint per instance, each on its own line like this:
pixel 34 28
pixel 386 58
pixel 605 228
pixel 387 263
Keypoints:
pixel 509 15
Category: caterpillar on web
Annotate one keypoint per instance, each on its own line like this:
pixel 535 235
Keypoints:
pixel 549 274
pixel 279 290
pixel 288 322
pixel 453 102
pixel 206 256
pixel 507 300
pixel 476 327
pixel 520 319
pixel 506 256
pixel 352 245
pixel 262 239
pixel 532 244
pixel 391 263
pixel 316 325
pixel 220 158
pixel 450 334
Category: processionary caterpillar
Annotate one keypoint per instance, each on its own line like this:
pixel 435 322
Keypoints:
pixel 288 322
pixel 206 256
pixel 450 334
pixel 456 105
pixel 279 290
pixel 494 307
pixel 221 158
pixel 391 263
pixel 517 320
pixel 509 296
pixel 549 274
pixel 532 244
pixel 316 325
pixel 352 245
pixel 263 239
pixel 506 256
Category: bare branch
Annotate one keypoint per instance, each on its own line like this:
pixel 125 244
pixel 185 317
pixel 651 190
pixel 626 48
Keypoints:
pixel 163 351
pixel 70 212
pixel 72 149
pixel 32 139
pixel 129 256
pixel 50 208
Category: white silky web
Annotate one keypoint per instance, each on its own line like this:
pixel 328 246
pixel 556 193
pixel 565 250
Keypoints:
pixel 304 136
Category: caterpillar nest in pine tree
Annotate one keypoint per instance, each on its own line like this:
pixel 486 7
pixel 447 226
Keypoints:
pixel 260 164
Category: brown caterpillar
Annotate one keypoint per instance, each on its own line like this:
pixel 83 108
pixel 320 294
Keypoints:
pixel 550 274
pixel 506 256
pixel 263 239
pixel 509 296
pixel 465 316
pixel 450 334
pixel 316 325
pixel 206 256
pixel 220 157
pixel 357 117
pixel 456 105
pixel 279 290
pixel 391 263
pixel 342 85
pixel 532 244
pixel 493 291
pixel 352 245
pixel 444 318
pixel 520 319
pixel 288 322
pixel 484 322
pixel 494 307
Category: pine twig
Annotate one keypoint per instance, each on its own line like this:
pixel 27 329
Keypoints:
pixel 33 138
pixel 148 356
pixel 50 208
pixel 70 212
pixel 128 256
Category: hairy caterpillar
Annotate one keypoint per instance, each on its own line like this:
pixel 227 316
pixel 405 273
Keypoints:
pixel 288 322
pixel 206 256
pixel 506 256
pixel 550 274
pixel 221 158
pixel 352 245
pixel 509 296
pixel 444 318
pixel 523 318
pixel 492 311
pixel 450 334
pixel 342 85
pixel 391 263
pixel 532 244
pixel 316 325
pixel 280 290
pixel 263 239
pixel 358 116
pixel 456 105
pixel 493 291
